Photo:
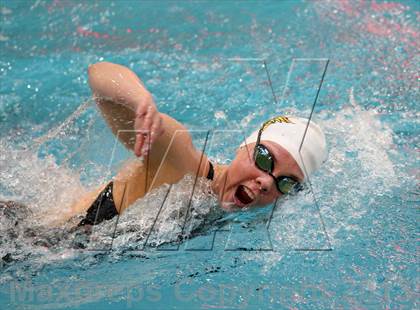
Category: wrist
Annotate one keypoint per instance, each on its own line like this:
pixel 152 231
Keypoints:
pixel 142 102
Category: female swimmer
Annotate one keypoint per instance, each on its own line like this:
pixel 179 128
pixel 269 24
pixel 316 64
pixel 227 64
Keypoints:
pixel 266 167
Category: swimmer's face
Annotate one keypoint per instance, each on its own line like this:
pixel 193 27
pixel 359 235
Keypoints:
pixel 247 186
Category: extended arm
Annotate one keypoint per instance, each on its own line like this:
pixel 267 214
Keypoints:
pixel 126 104
pixel 111 84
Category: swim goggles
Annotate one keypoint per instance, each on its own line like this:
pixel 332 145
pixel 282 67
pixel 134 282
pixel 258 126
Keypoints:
pixel 264 161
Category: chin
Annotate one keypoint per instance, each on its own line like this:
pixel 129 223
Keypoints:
pixel 229 206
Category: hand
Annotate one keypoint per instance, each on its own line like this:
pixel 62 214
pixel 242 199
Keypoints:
pixel 147 124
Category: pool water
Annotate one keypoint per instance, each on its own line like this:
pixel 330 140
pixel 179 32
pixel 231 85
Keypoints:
pixel 348 241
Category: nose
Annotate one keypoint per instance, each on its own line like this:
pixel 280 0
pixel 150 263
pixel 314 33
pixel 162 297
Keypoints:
pixel 265 182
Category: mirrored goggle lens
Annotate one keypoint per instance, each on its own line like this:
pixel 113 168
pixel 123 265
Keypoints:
pixel 287 185
pixel 263 158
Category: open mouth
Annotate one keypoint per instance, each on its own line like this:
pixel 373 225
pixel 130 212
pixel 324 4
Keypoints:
pixel 244 195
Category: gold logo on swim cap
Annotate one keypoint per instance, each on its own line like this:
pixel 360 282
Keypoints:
pixel 278 119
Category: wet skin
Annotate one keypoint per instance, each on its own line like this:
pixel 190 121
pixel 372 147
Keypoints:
pixel 260 185
pixel 129 109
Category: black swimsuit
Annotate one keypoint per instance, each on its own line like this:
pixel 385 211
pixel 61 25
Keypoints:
pixel 103 208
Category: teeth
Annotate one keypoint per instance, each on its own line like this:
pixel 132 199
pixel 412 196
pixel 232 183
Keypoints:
pixel 249 192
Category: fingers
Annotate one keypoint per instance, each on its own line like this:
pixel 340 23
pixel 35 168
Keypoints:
pixel 156 129
pixel 147 123
pixel 139 143
pixel 140 132
pixel 148 126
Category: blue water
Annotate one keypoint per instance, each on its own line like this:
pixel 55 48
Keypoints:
pixel 360 220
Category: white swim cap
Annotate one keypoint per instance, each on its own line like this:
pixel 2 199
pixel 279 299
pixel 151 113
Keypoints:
pixel 288 132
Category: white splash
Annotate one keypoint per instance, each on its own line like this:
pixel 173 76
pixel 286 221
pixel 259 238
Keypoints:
pixel 358 169
pixel 48 189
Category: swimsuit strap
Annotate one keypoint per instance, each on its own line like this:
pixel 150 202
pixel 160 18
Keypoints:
pixel 103 208
pixel 210 174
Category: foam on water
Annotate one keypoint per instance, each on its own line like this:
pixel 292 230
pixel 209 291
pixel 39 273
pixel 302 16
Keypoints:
pixel 358 171
pixel 41 184
pixel 358 156
pixel 164 215
pixel 48 190
pixel 367 191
